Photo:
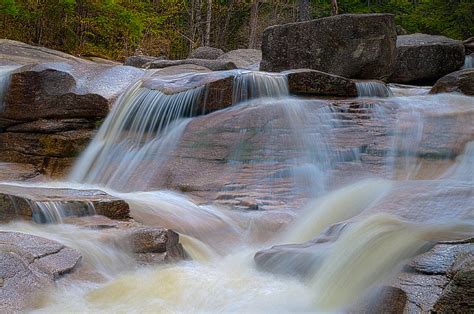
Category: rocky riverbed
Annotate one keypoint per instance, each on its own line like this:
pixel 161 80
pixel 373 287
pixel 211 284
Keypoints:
pixel 204 185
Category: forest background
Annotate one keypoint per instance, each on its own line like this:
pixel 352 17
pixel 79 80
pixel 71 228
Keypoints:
pixel 115 29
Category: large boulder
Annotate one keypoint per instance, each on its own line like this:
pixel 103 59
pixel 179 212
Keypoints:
pixel 44 121
pixel 350 45
pixel 460 81
pixel 423 59
pixel 243 58
pixel 209 53
pixel 304 81
pixel 28 265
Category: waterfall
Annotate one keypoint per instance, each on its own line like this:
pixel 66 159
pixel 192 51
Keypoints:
pixel 251 85
pixel 139 134
pixel 5 72
pixel 373 89
pixel 469 61
pixel 54 211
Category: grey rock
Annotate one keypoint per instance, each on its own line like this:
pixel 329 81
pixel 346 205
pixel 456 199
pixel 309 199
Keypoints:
pixel 209 53
pixel 422 59
pixel 28 265
pixel 140 61
pixel 350 45
pixel 305 81
pixel 460 81
pixel 243 58
pixel 214 65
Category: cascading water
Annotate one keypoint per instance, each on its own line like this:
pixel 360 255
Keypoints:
pixel 373 89
pixel 5 72
pixel 297 143
pixel 54 212
pixel 469 61
pixel 136 138
pixel 252 85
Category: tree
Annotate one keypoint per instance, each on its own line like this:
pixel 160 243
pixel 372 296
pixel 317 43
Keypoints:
pixel 253 25
pixel 208 23
pixel 334 8
pixel 303 10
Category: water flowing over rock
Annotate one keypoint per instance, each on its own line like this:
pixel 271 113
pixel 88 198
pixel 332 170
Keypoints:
pixel 469 61
pixel 373 89
pixel 312 82
pixel 425 58
pixel 459 81
pixel 53 204
pixel 209 53
pixel 28 266
pixel 354 46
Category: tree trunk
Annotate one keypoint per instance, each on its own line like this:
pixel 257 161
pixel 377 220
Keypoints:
pixel 303 10
pixel 334 8
pixel 208 23
pixel 223 34
pixel 253 25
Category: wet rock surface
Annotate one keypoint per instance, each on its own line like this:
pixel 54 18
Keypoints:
pixel 312 82
pixel 350 45
pixel 423 58
pixel 460 81
pixel 28 265
pixel 22 202
pixel 155 245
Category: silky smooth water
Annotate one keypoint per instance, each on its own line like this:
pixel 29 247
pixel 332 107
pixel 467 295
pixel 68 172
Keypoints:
pixel 371 232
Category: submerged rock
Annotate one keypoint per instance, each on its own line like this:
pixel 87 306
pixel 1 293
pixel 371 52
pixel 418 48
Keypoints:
pixel 460 81
pixel 243 58
pixel 350 45
pixel 28 265
pixel 312 82
pixel 423 59
pixel 209 53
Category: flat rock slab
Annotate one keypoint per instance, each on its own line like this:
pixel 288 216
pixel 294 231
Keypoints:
pixel 23 201
pixel 28 265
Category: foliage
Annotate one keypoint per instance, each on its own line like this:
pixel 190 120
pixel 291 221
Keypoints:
pixel 117 28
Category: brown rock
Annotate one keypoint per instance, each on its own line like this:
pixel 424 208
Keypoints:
pixel 154 245
pixel 460 81
pixel 214 65
pixel 305 81
pixel 17 201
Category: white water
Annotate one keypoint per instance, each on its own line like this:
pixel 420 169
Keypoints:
pixel 5 72
pixel 223 277
pixel 252 85
pixel 469 61
pixel 373 89
pixel 136 138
